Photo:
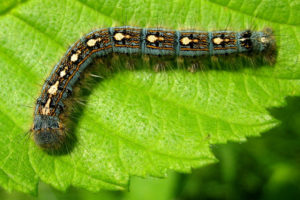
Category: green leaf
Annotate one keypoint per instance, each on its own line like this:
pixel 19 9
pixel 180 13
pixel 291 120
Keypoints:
pixel 138 123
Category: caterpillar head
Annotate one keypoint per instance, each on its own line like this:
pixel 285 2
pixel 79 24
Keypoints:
pixel 48 132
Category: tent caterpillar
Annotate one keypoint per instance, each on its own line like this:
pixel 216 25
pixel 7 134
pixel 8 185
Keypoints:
pixel 48 127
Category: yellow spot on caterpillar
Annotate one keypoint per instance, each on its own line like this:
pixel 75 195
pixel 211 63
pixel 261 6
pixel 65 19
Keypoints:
pixel 152 38
pixel 185 41
pixel 74 57
pixel 161 38
pixel 217 40
pixel 46 109
pixel 92 42
pixel 62 73
pixel 119 36
pixel 53 89
pixel 264 40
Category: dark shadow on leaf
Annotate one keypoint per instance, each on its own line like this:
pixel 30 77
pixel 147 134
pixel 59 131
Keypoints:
pixel 265 167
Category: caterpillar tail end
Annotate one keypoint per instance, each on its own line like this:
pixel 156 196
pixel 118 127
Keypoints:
pixel 263 41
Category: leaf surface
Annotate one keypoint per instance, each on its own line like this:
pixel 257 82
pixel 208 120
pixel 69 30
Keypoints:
pixel 139 123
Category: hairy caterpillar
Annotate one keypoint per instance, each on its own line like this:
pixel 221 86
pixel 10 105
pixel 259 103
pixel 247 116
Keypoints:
pixel 48 127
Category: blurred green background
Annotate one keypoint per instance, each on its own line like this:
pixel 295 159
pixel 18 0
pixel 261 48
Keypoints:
pixel 266 167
